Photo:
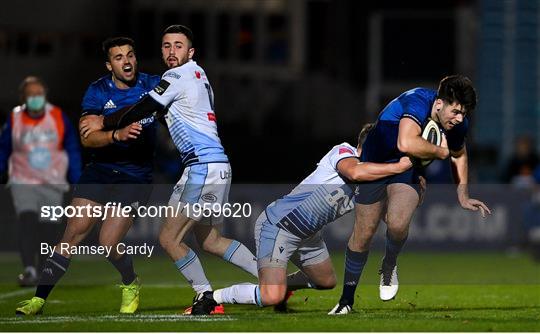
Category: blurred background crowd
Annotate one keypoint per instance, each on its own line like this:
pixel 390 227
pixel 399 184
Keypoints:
pixel 294 77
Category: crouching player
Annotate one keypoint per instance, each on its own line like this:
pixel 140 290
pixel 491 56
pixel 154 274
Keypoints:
pixel 290 229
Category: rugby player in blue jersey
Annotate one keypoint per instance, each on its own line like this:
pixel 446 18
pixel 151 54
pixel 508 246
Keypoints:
pixel 184 95
pixel 120 170
pixel 290 229
pixel 398 133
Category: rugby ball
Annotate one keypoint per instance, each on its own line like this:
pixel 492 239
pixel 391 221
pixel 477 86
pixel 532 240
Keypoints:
pixel 432 134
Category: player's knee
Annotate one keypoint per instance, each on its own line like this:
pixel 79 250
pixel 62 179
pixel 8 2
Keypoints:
pixel 398 231
pixel 329 282
pixel 360 243
pixel 272 294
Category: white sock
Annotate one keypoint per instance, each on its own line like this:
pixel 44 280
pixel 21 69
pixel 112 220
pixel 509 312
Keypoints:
pixel 191 268
pixel 31 270
pixel 240 256
pixel 246 293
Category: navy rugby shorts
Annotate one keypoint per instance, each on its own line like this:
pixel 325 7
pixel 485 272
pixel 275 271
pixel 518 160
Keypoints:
pixel 101 184
pixel 375 191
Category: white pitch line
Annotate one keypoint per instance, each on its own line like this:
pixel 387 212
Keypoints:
pixel 15 293
pixel 115 318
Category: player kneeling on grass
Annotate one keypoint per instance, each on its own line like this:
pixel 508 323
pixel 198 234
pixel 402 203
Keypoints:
pixel 290 229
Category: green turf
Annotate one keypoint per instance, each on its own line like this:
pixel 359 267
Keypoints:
pixel 438 292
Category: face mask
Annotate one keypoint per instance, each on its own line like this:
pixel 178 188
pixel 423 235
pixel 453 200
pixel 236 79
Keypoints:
pixel 35 103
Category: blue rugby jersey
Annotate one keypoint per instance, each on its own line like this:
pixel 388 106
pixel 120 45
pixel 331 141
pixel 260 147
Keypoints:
pixel 134 157
pixel 416 104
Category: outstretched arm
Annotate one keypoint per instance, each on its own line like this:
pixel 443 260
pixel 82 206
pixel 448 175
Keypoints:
pixel 357 171
pixel 460 171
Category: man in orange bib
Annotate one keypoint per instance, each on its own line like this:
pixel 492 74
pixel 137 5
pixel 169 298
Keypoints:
pixel 40 152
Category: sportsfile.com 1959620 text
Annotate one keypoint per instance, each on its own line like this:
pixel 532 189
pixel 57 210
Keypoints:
pixel 115 210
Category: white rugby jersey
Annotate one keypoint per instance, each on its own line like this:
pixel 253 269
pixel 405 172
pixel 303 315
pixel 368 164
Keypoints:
pixel 186 92
pixel 319 199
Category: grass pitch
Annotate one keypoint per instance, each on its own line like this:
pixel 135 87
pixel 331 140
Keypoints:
pixel 438 292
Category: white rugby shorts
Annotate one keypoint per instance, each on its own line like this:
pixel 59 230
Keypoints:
pixel 202 192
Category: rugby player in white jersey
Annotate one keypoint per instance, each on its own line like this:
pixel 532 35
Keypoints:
pixel 290 229
pixel 185 98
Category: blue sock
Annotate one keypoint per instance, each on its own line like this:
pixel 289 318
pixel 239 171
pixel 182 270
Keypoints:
pixel 354 264
pixel 124 265
pixel 393 248
pixel 55 267
pixel 191 268
pixel 240 256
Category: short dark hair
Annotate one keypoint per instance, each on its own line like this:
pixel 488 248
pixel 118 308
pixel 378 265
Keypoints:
pixel 180 29
pixel 458 88
pixel 116 41
pixel 364 133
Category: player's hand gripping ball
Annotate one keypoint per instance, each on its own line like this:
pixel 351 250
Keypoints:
pixel 432 133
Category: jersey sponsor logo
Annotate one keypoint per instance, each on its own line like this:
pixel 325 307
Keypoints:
pixel 197 74
pixel 147 120
pixel 281 249
pixel 209 198
pixel 343 150
pixel 224 175
pixel 162 87
pixel 172 75
pixel 211 116
pixel 109 105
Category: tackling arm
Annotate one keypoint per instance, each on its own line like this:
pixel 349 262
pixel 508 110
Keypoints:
pixel 93 124
pixel 411 142
pixel 146 107
pixel 101 138
pixel 97 138
pixel 354 170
